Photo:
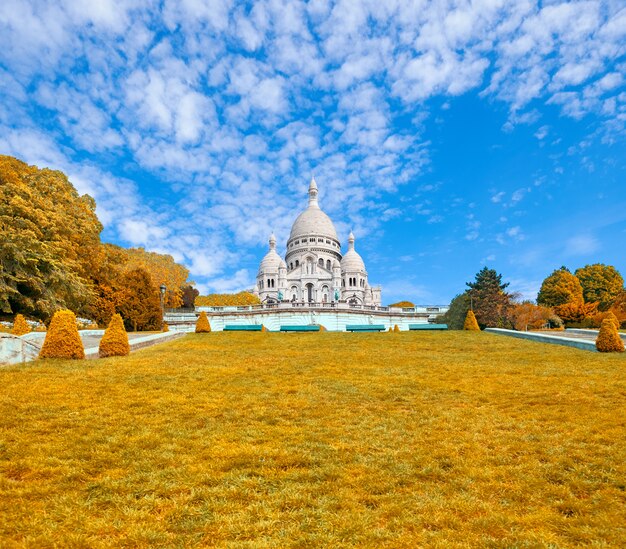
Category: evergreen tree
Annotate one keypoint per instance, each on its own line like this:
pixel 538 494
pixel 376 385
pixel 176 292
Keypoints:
pixel 490 302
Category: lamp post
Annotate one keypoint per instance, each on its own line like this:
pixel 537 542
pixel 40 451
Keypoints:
pixel 162 288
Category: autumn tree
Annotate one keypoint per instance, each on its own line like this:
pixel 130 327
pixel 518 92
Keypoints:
pixel 600 283
pixel 619 307
pixel 141 308
pixel 490 302
pixel 527 315
pixel 162 270
pixel 49 240
pixel 559 288
pixel 189 294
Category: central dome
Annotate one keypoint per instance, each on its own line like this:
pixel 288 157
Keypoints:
pixel 313 221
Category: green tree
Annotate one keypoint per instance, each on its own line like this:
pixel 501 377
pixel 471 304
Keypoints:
pixel 490 302
pixel 600 283
pixel 141 307
pixel 560 288
pixel 455 315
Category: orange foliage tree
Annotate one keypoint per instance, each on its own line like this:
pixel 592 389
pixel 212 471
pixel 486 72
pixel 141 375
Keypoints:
pixel 560 288
pixel 619 307
pixel 49 241
pixel 601 284
pixel 576 312
pixel 141 308
pixel 527 315
pixel 162 270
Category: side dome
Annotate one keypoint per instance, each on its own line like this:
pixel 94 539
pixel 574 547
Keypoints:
pixel 313 220
pixel 272 261
pixel 351 261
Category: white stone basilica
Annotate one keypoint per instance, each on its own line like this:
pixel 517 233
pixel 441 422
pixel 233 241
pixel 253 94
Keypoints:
pixel 314 270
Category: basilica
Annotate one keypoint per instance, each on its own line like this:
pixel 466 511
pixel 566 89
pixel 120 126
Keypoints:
pixel 314 269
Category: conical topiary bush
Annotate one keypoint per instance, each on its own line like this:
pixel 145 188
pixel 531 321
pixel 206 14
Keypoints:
pixel 62 339
pixel 114 342
pixel 611 316
pixel 470 322
pixel 202 325
pixel 20 326
pixel 609 340
pixel 396 328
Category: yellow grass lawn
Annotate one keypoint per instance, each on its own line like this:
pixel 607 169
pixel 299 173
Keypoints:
pixel 332 440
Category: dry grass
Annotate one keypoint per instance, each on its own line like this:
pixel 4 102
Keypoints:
pixel 334 440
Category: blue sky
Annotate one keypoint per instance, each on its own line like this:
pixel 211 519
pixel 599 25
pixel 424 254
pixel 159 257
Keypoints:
pixel 447 135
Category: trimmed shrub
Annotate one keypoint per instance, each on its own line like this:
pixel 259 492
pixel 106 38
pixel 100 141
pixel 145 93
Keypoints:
pixel 165 328
pixel 114 342
pixel 396 328
pixel 322 328
pixel 202 324
pixel 21 327
pixel 611 316
pixel 62 339
pixel 470 322
pixel 609 340
pixel 263 328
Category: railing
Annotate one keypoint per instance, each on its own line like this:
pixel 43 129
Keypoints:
pixel 333 305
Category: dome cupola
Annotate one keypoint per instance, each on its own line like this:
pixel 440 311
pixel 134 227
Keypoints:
pixel 272 261
pixel 352 262
pixel 313 221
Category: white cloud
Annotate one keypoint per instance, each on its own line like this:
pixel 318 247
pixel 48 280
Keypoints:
pixel 582 244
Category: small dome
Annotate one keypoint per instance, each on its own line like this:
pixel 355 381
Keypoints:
pixel 352 261
pixel 272 260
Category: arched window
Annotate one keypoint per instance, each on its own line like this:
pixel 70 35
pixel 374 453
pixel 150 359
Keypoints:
pixel 328 264
pixel 320 261
pixel 291 266
pixel 297 263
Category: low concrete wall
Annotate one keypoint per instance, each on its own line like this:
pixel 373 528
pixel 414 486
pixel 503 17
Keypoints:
pixel 547 338
pixel 17 349
pixel 20 349
pixel 588 332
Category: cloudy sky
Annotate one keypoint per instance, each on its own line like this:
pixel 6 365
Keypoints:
pixel 447 135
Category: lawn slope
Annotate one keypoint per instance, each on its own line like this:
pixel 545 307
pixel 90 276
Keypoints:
pixel 299 440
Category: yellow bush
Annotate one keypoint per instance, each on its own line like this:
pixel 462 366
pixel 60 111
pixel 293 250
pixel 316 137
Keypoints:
pixel 225 300
pixel 396 328
pixel 611 316
pixel 202 325
pixel 470 322
pixel 609 340
pixel 62 339
pixel 322 328
pixel 115 339
pixel 263 328
pixel 403 304
pixel 165 328
pixel 21 327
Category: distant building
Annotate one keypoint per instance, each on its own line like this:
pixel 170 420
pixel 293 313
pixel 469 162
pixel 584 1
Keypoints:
pixel 314 269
